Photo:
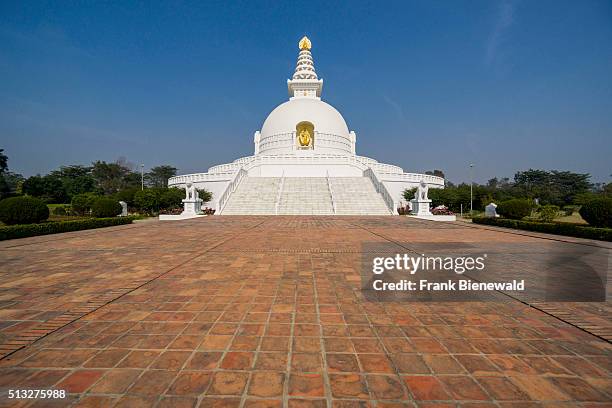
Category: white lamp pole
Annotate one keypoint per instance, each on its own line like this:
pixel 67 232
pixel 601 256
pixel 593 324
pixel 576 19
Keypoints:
pixel 471 187
pixel 142 176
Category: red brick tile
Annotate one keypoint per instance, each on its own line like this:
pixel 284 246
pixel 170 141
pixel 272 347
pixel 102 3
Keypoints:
pixel 306 385
pixel 385 387
pixel 463 388
pixel 307 403
pixel 337 362
pixel 539 388
pixel 271 361
pixel 115 381
pixel 245 343
pixel 152 382
pixel 443 364
pixel 348 386
pixel 215 342
pixel 228 383
pixel 190 383
pixel 80 380
pixel 134 401
pixel 263 403
pixel 375 363
pixel 171 360
pixel 578 389
pixel 238 360
pixel 501 388
pixel 306 362
pixel 177 402
pixel 410 364
pixel 426 388
pixel 266 384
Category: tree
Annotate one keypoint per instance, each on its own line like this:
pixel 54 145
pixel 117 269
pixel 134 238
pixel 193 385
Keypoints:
pixel 552 187
pixel 3 161
pixel 49 188
pixel 112 177
pixel 76 179
pixel 9 181
pixel 158 176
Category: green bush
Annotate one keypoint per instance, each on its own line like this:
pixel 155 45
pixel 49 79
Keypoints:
pixel 171 198
pixel 147 200
pixel 548 213
pixel 514 209
pixel 557 228
pixel 127 195
pixel 105 207
pixel 61 210
pixel 205 195
pixel 82 203
pixel 598 212
pixel 31 230
pixel 569 210
pixel 23 210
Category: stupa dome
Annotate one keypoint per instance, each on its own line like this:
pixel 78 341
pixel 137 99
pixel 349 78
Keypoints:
pixel 285 117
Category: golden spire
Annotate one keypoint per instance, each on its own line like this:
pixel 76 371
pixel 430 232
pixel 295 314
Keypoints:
pixel 305 44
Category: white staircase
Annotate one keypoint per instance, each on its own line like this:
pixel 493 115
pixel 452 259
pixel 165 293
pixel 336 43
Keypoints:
pixel 254 196
pixel 357 196
pixel 305 196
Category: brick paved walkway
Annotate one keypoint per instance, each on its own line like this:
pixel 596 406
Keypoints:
pixel 267 312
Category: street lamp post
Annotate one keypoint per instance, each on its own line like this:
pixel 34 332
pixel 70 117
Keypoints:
pixel 471 188
pixel 142 176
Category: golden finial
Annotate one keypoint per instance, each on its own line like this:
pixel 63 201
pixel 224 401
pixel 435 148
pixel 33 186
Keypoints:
pixel 305 44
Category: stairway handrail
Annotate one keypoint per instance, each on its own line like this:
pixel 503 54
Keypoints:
pixel 230 188
pixel 280 192
pixel 381 189
pixel 331 192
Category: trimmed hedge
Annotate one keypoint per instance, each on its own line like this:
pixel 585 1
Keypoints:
pixel 23 210
pixel 515 208
pixel 32 230
pixel 105 207
pixel 598 212
pixel 557 228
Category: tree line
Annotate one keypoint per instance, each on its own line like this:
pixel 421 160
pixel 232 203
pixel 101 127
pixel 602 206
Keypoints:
pixel 560 188
pixel 101 178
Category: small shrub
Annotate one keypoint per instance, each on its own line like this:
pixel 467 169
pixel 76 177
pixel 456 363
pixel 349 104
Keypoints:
pixel 598 212
pixel 82 203
pixel 127 195
pixel 205 195
pixel 61 210
pixel 514 209
pixel 31 230
pixel 146 200
pixel 171 198
pixel 105 207
pixel 568 210
pixel 548 213
pixel 23 210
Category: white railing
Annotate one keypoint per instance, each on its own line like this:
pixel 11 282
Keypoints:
pixel 231 187
pixel 280 192
pixel 331 193
pixel 381 189
pixel 412 177
pixel 198 177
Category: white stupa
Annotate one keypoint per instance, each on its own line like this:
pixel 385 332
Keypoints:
pixel 304 162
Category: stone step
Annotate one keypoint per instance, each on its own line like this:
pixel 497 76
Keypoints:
pixel 306 196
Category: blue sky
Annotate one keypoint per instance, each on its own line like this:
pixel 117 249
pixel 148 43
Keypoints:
pixel 507 85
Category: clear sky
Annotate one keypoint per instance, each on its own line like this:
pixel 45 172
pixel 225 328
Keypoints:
pixel 424 84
